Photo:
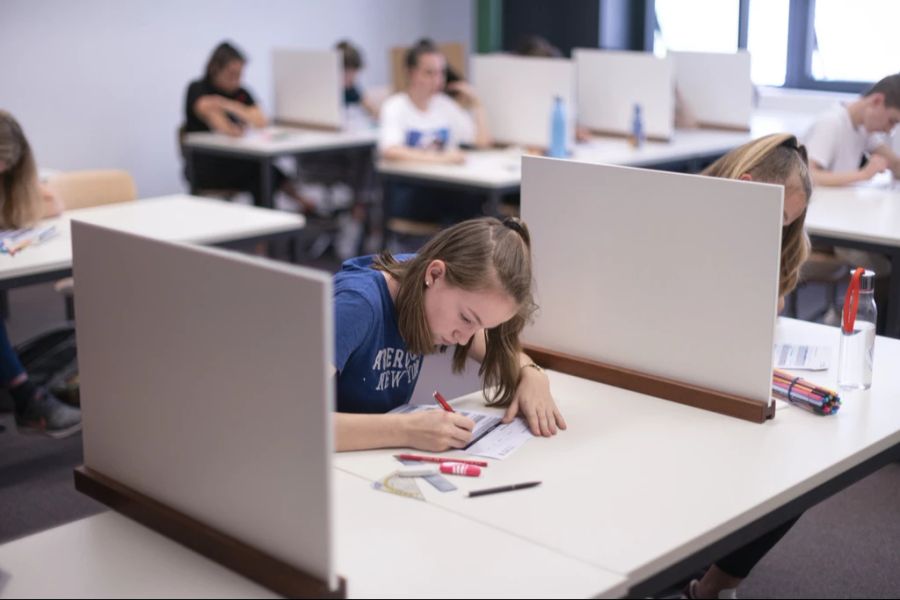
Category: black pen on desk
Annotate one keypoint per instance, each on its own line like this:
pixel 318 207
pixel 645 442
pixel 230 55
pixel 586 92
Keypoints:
pixel 503 488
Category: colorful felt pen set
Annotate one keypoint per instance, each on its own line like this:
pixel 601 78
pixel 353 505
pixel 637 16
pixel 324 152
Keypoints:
pixel 804 394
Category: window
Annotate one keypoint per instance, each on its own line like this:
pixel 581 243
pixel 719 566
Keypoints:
pixel 679 28
pixel 767 41
pixel 814 44
pixel 855 41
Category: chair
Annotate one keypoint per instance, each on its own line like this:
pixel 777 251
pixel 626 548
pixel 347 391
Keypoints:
pixel 83 189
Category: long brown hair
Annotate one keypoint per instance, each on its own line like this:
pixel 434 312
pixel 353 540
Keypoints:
pixel 479 254
pixel 21 203
pixel 774 159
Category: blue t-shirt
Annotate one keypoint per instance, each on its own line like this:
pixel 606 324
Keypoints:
pixel 376 372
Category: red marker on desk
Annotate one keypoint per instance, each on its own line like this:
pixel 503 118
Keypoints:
pixel 440 459
pixel 440 400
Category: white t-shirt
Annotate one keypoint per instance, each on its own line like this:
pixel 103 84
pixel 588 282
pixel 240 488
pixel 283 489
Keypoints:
pixel 836 144
pixel 443 125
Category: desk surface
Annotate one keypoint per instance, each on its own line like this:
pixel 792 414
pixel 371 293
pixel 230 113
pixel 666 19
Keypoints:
pixel 622 488
pixel 276 141
pixel 178 218
pixel 865 213
pixel 501 169
pixel 620 500
pixel 386 546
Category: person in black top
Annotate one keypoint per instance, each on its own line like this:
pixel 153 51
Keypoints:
pixel 353 63
pixel 218 102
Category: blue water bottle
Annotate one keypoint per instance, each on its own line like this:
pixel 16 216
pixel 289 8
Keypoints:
pixel 558 129
pixel 638 136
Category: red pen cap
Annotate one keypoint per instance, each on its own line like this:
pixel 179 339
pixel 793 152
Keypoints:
pixel 451 468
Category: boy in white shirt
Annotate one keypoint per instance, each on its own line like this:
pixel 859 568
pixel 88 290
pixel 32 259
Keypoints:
pixel 838 139
pixel 836 144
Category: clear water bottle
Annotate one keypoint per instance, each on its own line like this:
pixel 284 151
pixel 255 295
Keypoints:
pixel 858 342
pixel 638 135
pixel 558 129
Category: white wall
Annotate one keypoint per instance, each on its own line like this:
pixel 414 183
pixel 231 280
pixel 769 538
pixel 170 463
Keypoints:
pixel 100 83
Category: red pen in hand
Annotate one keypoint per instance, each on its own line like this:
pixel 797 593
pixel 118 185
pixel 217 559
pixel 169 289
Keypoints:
pixel 440 400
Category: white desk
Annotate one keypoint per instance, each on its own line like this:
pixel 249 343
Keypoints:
pixel 621 504
pixel 177 218
pixel 495 173
pixel 386 547
pixel 627 488
pixel 865 217
pixel 264 146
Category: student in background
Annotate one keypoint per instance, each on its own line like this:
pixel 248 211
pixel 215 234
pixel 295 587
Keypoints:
pixel 23 202
pixel 218 102
pixel 422 124
pixel 837 143
pixel 536 45
pixel 353 64
pixel 839 138
pixel 469 287
pixel 781 160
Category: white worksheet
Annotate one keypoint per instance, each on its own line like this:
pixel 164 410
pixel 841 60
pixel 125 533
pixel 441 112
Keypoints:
pixel 490 438
pixel 801 356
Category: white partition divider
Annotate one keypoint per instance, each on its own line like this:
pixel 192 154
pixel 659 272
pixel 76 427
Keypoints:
pixel 518 93
pixel 205 385
pixel 611 83
pixel 716 87
pixel 308 87
pixel 667 274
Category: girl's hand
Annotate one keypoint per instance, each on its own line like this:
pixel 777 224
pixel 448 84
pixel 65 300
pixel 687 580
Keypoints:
pixel 534 400
pixel 437 430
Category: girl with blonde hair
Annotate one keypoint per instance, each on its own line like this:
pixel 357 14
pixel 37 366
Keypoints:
pixel 777 159
pixel 22 203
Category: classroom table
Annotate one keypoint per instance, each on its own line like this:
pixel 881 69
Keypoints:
pixel 637 493
pixel 655 490
pixel 178 218
pixel 494 174
pixel 265 146
pixel 386 547
pixel 866 217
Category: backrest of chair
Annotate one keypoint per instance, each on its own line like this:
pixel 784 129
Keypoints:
pixel 81 189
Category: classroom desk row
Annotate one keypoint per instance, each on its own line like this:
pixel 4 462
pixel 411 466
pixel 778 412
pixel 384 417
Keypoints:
pixel 491 173
pixel 633 498
pixel 177 218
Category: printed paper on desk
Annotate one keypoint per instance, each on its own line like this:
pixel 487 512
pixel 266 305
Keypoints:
pixel 502 440
pixel 483 421
pixel 799 356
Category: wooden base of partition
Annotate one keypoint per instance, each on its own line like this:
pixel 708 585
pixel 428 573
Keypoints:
pixel 306 125
pixel 229 552
pixel 624 135
pixel 721 127
pixel 660 387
